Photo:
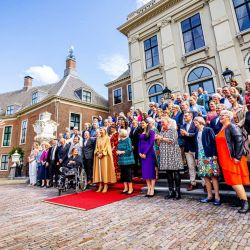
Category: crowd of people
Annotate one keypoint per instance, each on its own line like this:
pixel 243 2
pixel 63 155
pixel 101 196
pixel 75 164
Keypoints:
pixel 208 135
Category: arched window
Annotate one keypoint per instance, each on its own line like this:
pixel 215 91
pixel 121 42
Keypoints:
pixel 201 77
pixel 248 63
pixel 155 93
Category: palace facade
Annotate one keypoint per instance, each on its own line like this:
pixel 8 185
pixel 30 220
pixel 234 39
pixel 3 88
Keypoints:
pixel 186 44
pixel 70 101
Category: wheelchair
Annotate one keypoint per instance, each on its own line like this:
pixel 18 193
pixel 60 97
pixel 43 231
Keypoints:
pixel 71 178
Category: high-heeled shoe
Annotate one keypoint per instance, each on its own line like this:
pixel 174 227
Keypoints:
pixel 105 189
pixel 128 193
pixel 124 192
pixel 99 189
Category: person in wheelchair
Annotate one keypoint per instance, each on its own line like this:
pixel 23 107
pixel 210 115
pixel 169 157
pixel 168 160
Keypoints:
pixel 73 164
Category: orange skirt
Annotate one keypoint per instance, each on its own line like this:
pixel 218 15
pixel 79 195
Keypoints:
pixel 234 174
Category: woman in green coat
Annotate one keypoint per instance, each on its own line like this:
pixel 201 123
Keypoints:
pixel 126 161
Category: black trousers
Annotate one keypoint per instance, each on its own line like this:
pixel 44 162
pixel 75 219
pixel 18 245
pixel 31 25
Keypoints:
pixel 126 173
pixel 53 171
pixel 88 166
pixel 174 179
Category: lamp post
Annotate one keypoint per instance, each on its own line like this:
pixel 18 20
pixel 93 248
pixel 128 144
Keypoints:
pixel 15 158
pixel 228 75
pixel 167 93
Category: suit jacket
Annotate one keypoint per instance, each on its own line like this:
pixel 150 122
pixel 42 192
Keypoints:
pixel 63 153
pixel 51 151
pixel 134 136
pixel 208 143
pixel 88 150
pixel 163 106
pixel 189 140
pixel 215 127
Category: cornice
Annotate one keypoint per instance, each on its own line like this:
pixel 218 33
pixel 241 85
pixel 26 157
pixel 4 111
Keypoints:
pixel 156 9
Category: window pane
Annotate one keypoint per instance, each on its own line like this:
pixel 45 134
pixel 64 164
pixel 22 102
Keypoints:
pixel 206 72
pixel 193 87
pixel 199 42
pixel 148 54
pixel 209 86
pixel 154 41
pixel 185 25
pixel 187 36
pixel 238 2
pixel 149 63
pixel 192 77
pixel 4 162
pixel 155 51
pixel 197 32
pixel 189 46
pixel 158 88
pixel 195 20
pixel 156 60
pixel 147 44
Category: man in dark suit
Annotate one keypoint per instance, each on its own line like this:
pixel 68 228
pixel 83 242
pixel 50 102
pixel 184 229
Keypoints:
pixel 215 123
pixel 134 136
pixel 163 105
pixel 63 152
pixel 88 155
pixel 188 131
pixel 53 162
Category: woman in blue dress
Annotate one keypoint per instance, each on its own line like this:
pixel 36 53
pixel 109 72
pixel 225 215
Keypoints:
pixel 147 155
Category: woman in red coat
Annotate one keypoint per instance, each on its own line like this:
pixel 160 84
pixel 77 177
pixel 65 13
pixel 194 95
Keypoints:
pixel 114 145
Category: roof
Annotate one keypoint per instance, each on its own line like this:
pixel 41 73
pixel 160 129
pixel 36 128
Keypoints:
pixel 122 77
pixel 65 88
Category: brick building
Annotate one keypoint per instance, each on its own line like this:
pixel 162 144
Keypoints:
pixel 120 94
pixel 70 101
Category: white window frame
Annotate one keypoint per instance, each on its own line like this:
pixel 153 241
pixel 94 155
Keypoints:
pixel 10 107
pixel 22 131
pixel 80 129
pixel 128 93
pixel 35 92
pixel 90 95
pixel 10 136
pixel 114 96
pixel 181 34
pixel 4 170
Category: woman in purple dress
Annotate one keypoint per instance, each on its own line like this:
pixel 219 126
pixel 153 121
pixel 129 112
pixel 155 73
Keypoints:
pixel 147 155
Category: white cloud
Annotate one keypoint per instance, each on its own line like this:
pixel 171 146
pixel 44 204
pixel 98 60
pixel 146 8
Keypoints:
pixel 140 3
pixel 113 65
pixel 43 74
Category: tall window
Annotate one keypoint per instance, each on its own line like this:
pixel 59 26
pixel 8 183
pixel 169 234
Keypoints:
pixel 129 92
pixel 74 121
pixel 117 96
pixel 34 98
pixel 242 10
pixel 23 132
pixel 151 52
pixel 4 162
pixel 86 96
pixel 155 93
pixel 10 110
pixel 192 33
pixel 7 136
pixel 201 77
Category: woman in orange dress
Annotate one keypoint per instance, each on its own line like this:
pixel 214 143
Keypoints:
pixel 229 143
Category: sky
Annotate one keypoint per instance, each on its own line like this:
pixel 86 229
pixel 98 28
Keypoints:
pixel 35 36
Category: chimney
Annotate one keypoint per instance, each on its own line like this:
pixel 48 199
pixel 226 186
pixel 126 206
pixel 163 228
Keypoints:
pixel 27 83
pixel 70 63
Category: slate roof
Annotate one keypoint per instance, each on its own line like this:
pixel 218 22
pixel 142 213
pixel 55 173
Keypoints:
pixel 123 76
pixel 65 88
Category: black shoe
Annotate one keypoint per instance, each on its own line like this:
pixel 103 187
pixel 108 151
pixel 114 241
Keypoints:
pixel 171 194
pixel 236 203
pixel 124 192
pixel 178 194
pixel 147 195
pixel 244 207
pixel 151 195
pixel 128 193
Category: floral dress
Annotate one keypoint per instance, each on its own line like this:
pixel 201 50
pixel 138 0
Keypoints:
pixel 114 145
pixel 156 147
pixel 207 166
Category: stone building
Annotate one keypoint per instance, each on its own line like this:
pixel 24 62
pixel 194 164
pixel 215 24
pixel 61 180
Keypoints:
pixel 120 94
pixel 184 44
pixel 70 101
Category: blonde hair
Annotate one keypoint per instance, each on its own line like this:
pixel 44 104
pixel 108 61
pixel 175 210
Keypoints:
pixel 123 133
pixel 227 113
pixel 200 120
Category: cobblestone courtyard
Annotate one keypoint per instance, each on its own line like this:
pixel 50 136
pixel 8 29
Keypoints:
pixel 134 223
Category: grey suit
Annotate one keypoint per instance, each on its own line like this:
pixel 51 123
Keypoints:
pixel 88 155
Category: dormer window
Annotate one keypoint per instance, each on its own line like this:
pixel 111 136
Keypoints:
pixel 84 95
pixel 10 110
pixel 37 96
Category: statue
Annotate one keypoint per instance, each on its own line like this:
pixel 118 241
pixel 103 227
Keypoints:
pixel 45 128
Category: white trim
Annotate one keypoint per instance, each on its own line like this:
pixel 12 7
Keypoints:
pixel 247 66
pixel 114 96
pixel 234 17
pixel 22 130
pixel 181 34
pixel 213 76
pixel 10 136
pixel 80 129
pixel 4 170
pixel 151 85
pixel 128 92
